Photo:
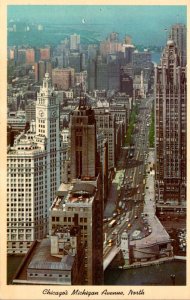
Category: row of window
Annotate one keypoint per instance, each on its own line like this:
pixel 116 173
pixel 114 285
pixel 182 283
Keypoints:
pixel 19 160
pixel 50 275
pixel 68 219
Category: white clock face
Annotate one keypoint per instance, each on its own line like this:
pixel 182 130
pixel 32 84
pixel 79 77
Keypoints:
pixel 41 113
pixel 53 113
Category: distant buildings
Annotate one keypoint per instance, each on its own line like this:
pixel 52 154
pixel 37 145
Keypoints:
pixel 31 111
pixel 63 78
pixel 141 59
pixel 45 53
pixel 74 41
pixel 75 61
pixel 103 75
pixel 126 83
pixel 170 126
pixel 140 86
pixel 40 68
pixel 111 45
pixel 30 56
pixel 21 56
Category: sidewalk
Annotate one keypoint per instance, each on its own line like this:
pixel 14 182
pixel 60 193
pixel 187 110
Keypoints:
pixel 113 193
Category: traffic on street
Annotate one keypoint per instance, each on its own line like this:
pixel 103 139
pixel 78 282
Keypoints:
pixel 127 213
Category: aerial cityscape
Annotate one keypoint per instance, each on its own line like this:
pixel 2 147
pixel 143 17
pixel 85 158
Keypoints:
pixel 96 145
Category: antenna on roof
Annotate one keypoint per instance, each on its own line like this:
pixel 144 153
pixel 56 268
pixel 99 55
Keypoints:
pixel 166 32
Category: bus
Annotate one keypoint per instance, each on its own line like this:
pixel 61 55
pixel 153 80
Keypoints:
pixel 112 223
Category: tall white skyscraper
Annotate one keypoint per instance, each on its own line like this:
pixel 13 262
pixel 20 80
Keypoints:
pixel 34 173
pixel 74 41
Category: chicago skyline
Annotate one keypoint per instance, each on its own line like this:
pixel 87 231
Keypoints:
pixel 104 185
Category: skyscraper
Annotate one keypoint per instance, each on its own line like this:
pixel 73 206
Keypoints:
pixel 92 74
pixel 41 68
pixel 75 61
pixel 101 74
pixel 63 79
pixel 106 123
pixel 21 56
pixel 45 53
pixel 179 35
pixel 170 115
pixel 74 41
pixel 30 56
pixel 39 71
pixel 33 174
pixel 81 201
pixel 83 143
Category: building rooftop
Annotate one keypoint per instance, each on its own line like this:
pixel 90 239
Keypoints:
pixel 39 251
pixel 39 257
pixel 79 192
pixel 83 188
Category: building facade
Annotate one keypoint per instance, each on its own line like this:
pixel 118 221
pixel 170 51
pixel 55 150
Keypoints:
pixel 170 127
pixel 33 174
pixel 179 35
pixel 63 79
pixel 74 41
pixel 79 198
pixel 106 123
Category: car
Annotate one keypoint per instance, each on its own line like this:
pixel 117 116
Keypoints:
pixel 127 220
pixel 136 217
pixel 129 225
pixel 110 242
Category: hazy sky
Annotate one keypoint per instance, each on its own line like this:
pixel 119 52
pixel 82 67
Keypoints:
pixel 144 23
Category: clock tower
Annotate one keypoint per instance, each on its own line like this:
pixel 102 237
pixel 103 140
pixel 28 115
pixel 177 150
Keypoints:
pixel 47 114
pixel 48 135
